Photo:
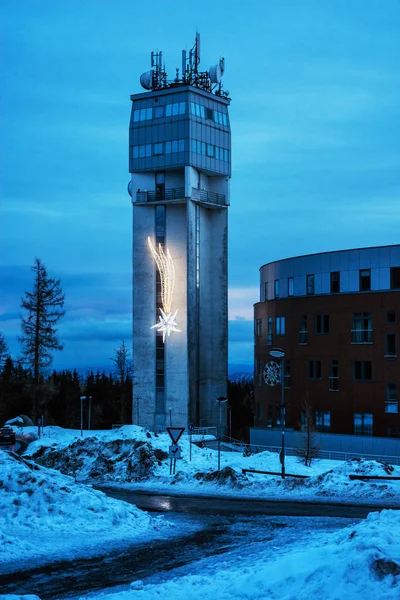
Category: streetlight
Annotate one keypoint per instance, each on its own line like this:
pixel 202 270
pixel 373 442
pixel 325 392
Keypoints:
pixel 220 401
pixel 279 353
pixel 89 411
pixel 82 399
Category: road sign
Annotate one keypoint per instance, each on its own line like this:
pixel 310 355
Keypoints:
pixel 175 451
pixel 175 433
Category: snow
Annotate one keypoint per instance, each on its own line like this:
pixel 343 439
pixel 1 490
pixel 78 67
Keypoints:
pixel 133 458
pixel 357 562
pixel 46 516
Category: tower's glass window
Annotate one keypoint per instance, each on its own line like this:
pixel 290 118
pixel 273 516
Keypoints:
pixel 182 108
pixel 216 152
pixel 159 148
pixel 175 109
pixel 181 145
pixel 210 150
pixel 158 112
pixel 194 144
pixel 168 110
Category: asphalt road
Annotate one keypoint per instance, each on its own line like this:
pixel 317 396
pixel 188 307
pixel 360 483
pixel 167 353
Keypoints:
pixel 225 505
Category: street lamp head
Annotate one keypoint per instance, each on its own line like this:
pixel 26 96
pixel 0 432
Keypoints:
pixel 222 399
pixel 277 353
pixel 83 397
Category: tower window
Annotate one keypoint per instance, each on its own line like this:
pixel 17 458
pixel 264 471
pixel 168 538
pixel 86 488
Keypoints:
pixel 395 278
pixel 314 369
pixel 391 317
pixel 321 324
pixel 335 282
pixel 392 400
pixel 391 346
pixel 361 331
pixel 362 370
pixel 334 376
pixel 290 286
pixel 276 288
pixel 270 336
pixel 303 332
pixel 363 423
pixel 280 325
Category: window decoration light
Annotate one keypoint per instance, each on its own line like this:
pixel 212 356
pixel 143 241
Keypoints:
pixel 165 265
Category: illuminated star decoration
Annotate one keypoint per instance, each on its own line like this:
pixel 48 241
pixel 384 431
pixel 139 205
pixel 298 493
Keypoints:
pixel 165 265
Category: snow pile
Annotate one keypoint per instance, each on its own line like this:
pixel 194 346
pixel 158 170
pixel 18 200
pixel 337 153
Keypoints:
pixel 133 457
pixel 361 561
pixel 45 515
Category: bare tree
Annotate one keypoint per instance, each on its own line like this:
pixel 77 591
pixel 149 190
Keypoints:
pixel 123 370
pixel 44 307
pixel 3 349
pixel 309 447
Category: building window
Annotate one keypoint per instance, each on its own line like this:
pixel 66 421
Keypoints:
pixel 392 399
pixel 258 327
pixel 159 148
pixel 335 282
pixel 276 288
pixel 310 285
pixel 334 376
pixel 395 278
pixel 391 345
pixel 290 286
pixel 303 333
pixel 361 331
pixel 314 369
pixel 391 317
pixel 321 324
pixel 280 325
pixel 270 337
pixel 393 432
pixel 362 370
pixel 365 280
pixel 323 420
pixel 363 423
pixel 266 290
pixel 287 374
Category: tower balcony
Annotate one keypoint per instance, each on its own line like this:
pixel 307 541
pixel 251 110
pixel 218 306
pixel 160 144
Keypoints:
pixel 178 194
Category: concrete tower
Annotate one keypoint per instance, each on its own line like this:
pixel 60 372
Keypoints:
pixel 180 165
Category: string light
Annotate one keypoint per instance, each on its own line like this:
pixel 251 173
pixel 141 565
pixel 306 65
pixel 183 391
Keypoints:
pixel 165 265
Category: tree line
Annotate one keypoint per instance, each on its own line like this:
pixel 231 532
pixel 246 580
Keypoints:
pixel 27 386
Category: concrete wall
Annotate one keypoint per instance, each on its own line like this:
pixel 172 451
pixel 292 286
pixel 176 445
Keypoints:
pixel 328 441
pixel 143 340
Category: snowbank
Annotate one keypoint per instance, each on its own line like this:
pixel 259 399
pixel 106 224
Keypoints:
pixel 45 516
pixel 133 457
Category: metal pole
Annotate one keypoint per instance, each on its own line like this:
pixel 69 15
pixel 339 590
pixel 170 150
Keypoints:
pixel 90 408
pixel 283 415
pixel 190 444
pixel 219 437
pixel 170 417
pixel 230 420
pixel 81 416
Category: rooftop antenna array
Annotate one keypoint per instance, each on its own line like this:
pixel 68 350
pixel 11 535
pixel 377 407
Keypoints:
pixel 209 81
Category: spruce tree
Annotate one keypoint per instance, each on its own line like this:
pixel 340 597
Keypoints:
pixel 3 349
pixel 44 307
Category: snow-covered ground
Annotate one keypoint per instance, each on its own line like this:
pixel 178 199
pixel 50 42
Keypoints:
pixel 133 458
pixel 46 516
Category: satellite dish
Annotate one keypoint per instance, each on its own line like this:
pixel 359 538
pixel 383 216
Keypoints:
pixel 215 74
pixel 146 80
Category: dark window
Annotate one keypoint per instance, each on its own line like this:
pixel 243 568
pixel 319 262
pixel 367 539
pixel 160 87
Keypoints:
pixel 395 278
pixel 361 330
pixel 290 286
pixel 276 288
pixel 310 284
pixel 321 324
pixel 258 327
pixel 159 148
pixel 365 280
pixel 269 332
pixel 287 374
pixel 314 369
pixel 209 114
pixel 391 317
pixel 323 420
pixel 335 282
pixel 334 376
pixel 393 432
pixel 362 370
pixel 391 345
pixel 266 290
pixel 280 325
pixel 363 423
pixel 303 330
pixel 392 400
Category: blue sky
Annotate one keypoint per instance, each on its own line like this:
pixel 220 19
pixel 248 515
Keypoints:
pixel 315 116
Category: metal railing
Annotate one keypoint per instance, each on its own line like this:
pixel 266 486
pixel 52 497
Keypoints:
pixel 206 196
pixel 239 446
pixel 204 431
pixel 159 195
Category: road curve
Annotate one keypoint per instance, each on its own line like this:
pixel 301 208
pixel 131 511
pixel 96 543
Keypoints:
pixel 152 501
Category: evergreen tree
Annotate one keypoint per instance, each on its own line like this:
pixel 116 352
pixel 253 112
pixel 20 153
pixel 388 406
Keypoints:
pixel 3 349
pixel 123 371
pixel 44 306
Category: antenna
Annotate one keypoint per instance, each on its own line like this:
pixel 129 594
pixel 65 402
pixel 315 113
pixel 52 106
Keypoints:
pixel 209 81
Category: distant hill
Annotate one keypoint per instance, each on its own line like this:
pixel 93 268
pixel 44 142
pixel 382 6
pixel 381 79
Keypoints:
pixel 240 372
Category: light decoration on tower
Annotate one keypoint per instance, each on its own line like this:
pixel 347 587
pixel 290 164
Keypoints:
pixel 167 320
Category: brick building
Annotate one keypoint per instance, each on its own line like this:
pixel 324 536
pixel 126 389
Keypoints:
pixel 336 315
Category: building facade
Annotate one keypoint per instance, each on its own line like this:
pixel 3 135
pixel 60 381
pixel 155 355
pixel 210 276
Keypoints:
pixel 336 315
pixel 180 165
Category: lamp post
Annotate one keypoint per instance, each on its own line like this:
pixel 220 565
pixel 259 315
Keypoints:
pixel 89 411
pixel 220 400
pixel 82 399
pixel 279 353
